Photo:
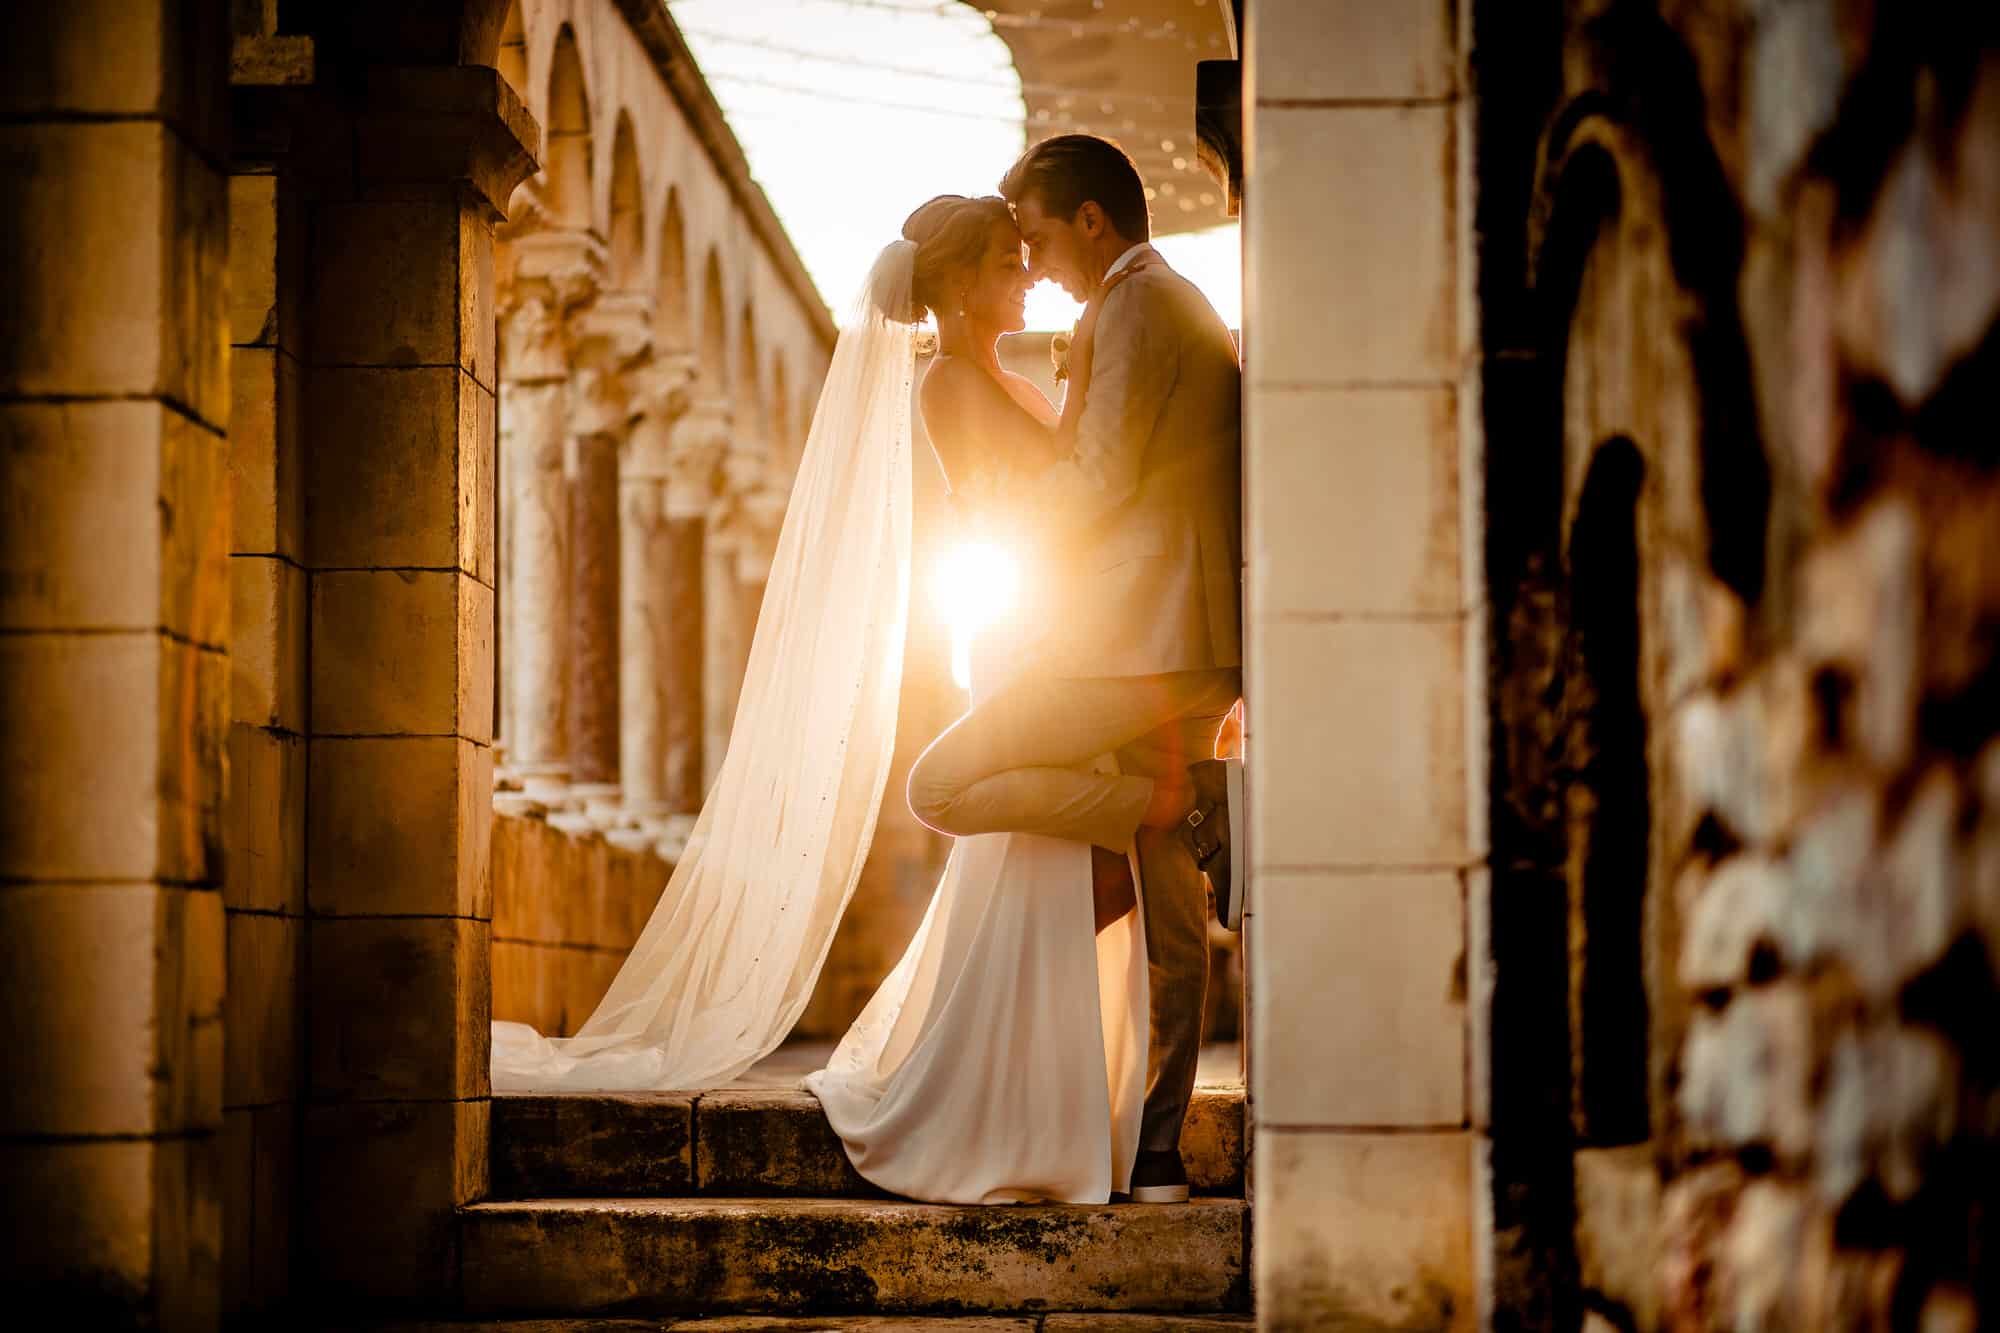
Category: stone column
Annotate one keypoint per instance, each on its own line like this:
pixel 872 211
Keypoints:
pixel 727 628
pixel 1366 799
pixel 399 458
pixel 613 340
pixel 659 399
pixel 116 655
pixel 554 280
pixel 700 439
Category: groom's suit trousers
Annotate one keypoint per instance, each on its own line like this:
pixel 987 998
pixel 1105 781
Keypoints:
pixel 1017 763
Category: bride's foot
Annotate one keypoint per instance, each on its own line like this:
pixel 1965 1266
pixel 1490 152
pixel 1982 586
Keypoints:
pixel 1111 886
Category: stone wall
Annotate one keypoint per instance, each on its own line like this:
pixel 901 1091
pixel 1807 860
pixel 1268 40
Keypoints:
pixel 566 910
pixel 1365 625
pixel 1740 279
pixel 115 659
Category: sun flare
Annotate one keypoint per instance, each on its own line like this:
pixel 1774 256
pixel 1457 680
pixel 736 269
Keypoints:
pixel 974 585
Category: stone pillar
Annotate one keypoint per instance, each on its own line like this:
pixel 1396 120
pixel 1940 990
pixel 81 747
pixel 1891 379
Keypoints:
pixel 1365 652
pixel 645 609
pixel 611 340
pixel 727 628
pixel 115 646
pixel 554 279
pixel 399 448
pixel 700 439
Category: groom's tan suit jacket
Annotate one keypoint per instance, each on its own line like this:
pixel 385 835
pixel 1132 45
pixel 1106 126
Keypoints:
pixel 1150 503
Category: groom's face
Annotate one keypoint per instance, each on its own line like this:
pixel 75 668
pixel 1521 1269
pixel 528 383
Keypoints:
pixel 1057 248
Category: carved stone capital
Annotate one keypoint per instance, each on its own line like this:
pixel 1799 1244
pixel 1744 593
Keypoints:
pixel 531 342
pixel 697 446
pixel 599 403
pixel 614 331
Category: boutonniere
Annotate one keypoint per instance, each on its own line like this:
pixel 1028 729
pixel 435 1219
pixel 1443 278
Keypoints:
pixel 1059 345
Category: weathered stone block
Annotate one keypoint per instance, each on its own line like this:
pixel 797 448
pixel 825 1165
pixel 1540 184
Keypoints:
pixel 264 442
pixel 1360 753
pixel 479 486
pixel 153 217
pixel 430 1158
pixel 1309 250
pixel 1313 50
pixel 666 1255
pixel 1364 1230
pixel 108 989
pixel 1883 912
pixel 1617 1240
pixel 1746 1075
pixel 397 652
pixel 1733 911
pixel 400 1007
pixel 1391 947
pixel 1702 627
pixel 613 1143
pixel 274 1202
pixel 1890 1101
pixel 1860 616
pixel 119 1228
pixel 583 975
pixel 527 982
pixel 1738 754
pixel 396 271
pixel 581 890
pixel 264 821
pixel 1385 538
pixel 267 651
pixel 113 515
pixel 394 467
pixel 253 262
pixel 265 1018
pixel 112 747
pixel 400 825
pixel 106 58
pixel 239 1170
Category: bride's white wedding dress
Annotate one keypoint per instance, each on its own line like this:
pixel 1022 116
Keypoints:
pixel 1004 1059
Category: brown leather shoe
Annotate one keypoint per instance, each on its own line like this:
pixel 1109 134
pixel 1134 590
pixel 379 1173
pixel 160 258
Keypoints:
pixel 1159 1177
pixel 1214 829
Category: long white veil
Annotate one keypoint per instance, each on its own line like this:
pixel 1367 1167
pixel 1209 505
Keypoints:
pixel 737 941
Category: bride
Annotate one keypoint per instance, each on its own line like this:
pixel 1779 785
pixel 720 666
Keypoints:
pixel 1004 1058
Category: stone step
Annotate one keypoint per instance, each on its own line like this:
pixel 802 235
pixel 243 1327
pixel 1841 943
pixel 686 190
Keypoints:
pixel 744 1143
pixel 829 1256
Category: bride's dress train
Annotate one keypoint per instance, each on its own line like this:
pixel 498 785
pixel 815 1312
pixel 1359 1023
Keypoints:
pixel 1004 1059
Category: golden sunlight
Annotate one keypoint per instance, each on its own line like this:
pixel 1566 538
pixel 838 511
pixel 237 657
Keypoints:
pixel 973 586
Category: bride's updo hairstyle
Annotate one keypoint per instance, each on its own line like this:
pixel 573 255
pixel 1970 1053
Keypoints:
pixel 951 232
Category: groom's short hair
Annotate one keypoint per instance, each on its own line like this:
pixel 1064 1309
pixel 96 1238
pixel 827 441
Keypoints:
pixel 1070 170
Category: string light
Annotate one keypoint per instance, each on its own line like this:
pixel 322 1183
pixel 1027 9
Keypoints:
pixel 1001 19
pixel 1105 104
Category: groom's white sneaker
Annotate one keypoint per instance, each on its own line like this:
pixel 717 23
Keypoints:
pixel 1214 830
pixel 1159 1177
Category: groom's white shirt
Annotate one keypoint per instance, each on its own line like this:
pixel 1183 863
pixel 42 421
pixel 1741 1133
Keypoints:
pixel 1124 260
pixel 1147 511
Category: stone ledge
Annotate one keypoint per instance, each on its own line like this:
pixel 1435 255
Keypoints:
pixel 624 1256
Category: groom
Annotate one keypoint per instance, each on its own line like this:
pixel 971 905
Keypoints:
pixel 1147 660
